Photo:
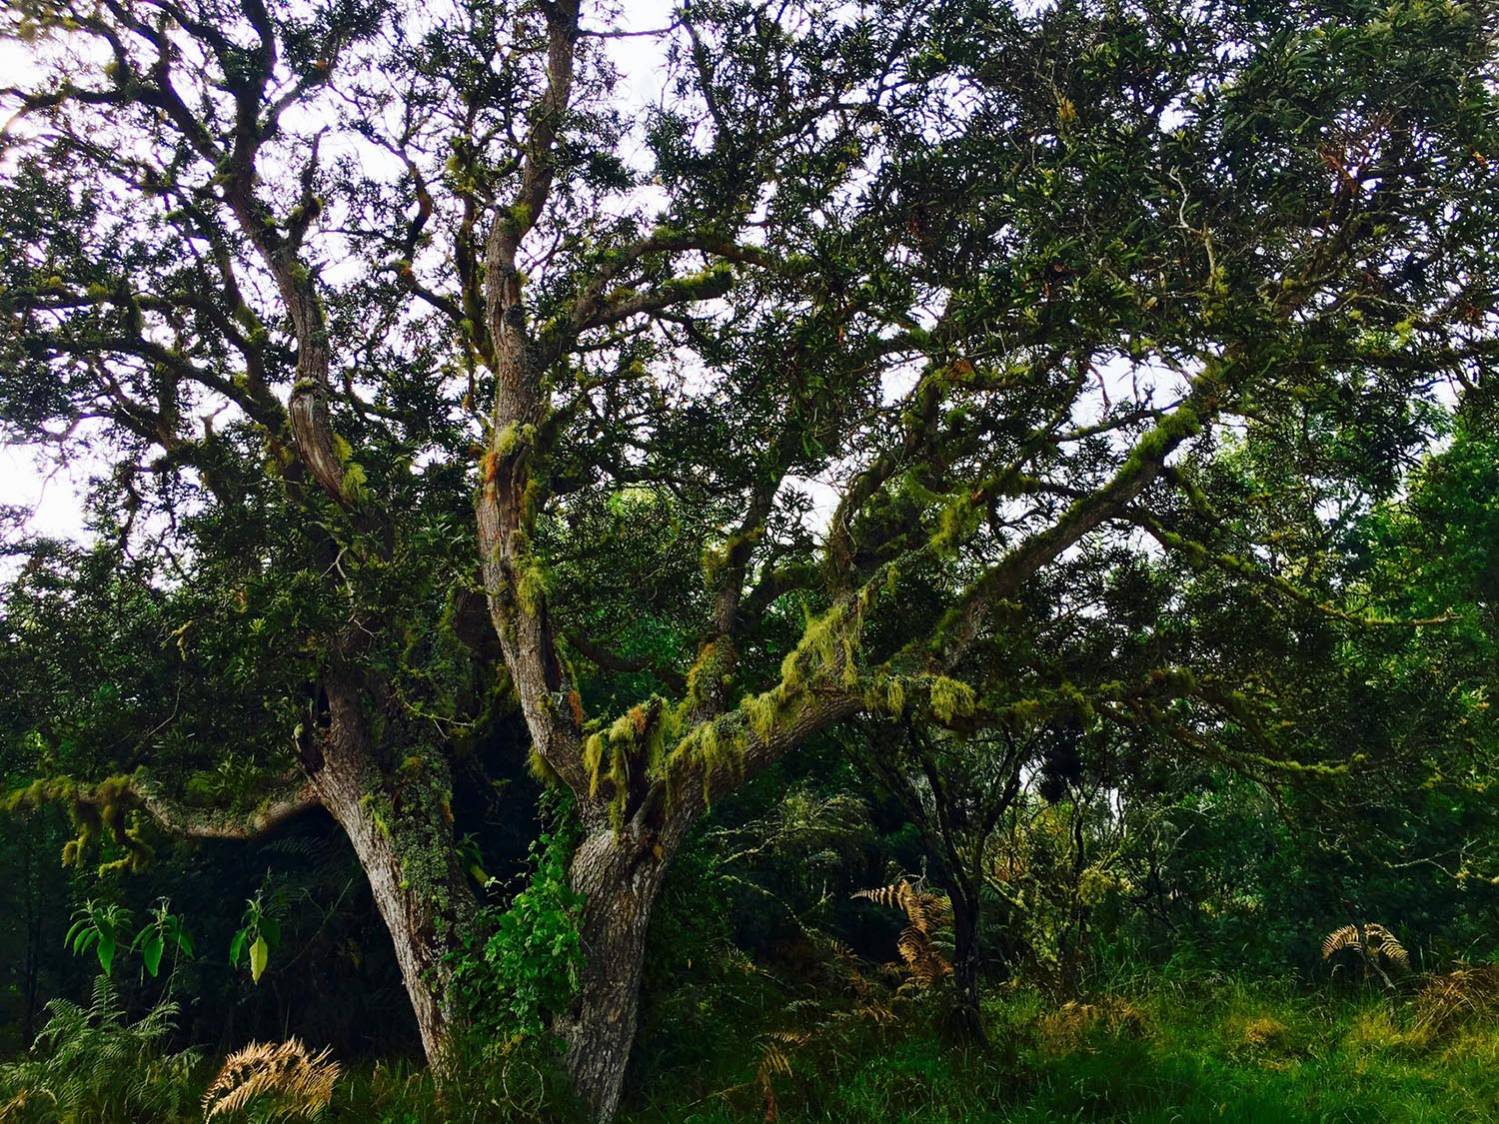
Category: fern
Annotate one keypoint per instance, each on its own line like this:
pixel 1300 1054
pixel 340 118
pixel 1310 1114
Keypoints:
pixel 1371 940
pixel 88 1063
pixel 927 914
pixel 292 1079
pixel 1466 993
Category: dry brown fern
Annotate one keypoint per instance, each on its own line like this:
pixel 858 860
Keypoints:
pixel 1461 994
pixel 926 913
pixel 298 1081
pixel 1371 940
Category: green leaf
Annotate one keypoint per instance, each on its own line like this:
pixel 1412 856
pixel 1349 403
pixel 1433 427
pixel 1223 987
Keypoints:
pixel 237 947
pixel 151 953
pixel 259 954
pixel 106 950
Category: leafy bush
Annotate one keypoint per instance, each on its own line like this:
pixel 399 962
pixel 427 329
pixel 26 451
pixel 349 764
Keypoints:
pixel 527 970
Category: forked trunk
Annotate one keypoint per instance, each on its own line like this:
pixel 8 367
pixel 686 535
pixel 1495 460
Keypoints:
pixel 621 876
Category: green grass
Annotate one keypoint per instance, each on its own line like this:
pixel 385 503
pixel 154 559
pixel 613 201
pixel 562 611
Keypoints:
pixel 1201 1050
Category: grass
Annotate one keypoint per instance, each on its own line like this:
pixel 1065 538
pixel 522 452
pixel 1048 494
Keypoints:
pixel 1150 1050
pixel 1200 1050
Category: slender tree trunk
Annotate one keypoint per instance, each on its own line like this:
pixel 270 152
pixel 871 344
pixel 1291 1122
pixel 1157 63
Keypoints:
pixel 419 888
pixel 622 877
pixel 35 905
pixel 965 914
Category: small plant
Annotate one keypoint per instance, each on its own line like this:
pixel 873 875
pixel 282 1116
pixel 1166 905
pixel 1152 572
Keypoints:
pixel 532 957
pixel 257 936
pixel 163 931
pixel 88 1063
pixel 98 926
pixel 926 914
pixel 289 1078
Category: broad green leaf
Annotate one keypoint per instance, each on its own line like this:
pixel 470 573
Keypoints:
pixel 151 953
pixel 259 954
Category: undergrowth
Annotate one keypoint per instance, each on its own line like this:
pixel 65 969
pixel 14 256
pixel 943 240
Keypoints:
pixel 1150 1048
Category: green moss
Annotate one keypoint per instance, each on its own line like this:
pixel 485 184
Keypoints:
pixel 530 589
pixel 895 696
pixel 512 438
pixel 354 484
pixel 593 756
pixel 106 810
pixel 541 769
pixel 950 698
pixel 760 712
pixel 706 677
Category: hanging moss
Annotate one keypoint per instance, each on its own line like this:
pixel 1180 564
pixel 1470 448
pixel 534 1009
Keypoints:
pixel 895 696
pixel 107 810
pixel 950 698
pixel 713 747
pixel 530 587
pixel 540 769
pixel 760 712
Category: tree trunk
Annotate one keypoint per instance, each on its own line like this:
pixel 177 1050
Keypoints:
pixel 621 876
pixel 969 1014
pixel 400 840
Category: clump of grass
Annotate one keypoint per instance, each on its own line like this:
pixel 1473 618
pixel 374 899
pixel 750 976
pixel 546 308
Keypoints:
pixel 1263 1032
pixel 1074 1025
pixel 1457 997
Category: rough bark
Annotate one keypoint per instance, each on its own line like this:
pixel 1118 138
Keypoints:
pixel 622 877
pixel 422 918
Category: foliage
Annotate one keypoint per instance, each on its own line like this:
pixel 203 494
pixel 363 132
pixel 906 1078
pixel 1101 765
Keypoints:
pixel 527 970
pixel 99 926
pixel 92 1063
pixel 257 936
pixel 1369 939
pixel 163 931
pixel 1079 416
pixel 918 944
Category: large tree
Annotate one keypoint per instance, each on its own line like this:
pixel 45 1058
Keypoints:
pixel 870 309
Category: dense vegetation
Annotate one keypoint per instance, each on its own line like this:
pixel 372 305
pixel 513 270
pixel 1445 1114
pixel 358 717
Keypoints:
pixel 942 563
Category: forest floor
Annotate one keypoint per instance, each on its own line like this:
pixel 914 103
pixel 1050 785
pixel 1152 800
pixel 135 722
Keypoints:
pixel 1159 1051
pixel 1230 1050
